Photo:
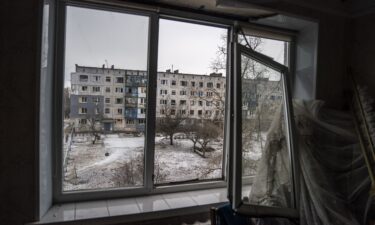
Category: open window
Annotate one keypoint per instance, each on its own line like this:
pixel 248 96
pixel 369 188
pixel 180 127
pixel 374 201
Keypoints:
pixel 263 158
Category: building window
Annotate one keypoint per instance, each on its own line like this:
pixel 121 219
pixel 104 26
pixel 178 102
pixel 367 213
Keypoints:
pixel 200 93
pixel 192 102
pixel 163 92
pixel 96 99
pixel 163 101
pixel 200 103
pixel 95 89
pixel 141 121
pixel 119 90
pixel 208 103
pixel 107 100
pixel 218 85
pixel 119 111
pixel 119 80
pixel 82 110
pixel 210 85
pixel 200 84
pixel 97 78
pixel 82 121
pixel 193 83
pixel 83 99
pixel 183 92
pixel 143 111
pixel 107 110
pixel 130 121
pixel 199 112
pixel 83 78
pixel 191 112
pixel 164 82
pixel 107 79
pixel 162 111
pixel 183 83
pixel 173 92
pixel 209 94
pixel 173 82
pixel 84 88
pixel 119 100
pixel 192 93
pixel 208 113
pixel 173 112
pixel 182 111
pixel 182 102
pixel 107 89
pixel 173 102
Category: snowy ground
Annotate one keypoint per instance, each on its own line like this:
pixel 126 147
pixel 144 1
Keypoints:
pixel 88 166
pixel 93 166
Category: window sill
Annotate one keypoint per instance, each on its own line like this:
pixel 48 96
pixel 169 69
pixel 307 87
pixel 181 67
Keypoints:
pixel 135 209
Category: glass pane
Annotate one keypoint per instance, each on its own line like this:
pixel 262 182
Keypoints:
pixel 190 102
pixel 265 155
pixel 273 48
pixel 104 99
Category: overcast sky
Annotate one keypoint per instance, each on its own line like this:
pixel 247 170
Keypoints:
pixel 95 37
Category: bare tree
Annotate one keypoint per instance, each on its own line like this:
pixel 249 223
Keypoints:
pixel 171 119
pixel 130 173
pixel 202 133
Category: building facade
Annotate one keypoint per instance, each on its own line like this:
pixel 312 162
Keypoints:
pixel 117 98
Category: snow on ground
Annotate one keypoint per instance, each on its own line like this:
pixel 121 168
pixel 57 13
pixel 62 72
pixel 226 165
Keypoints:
pixel 88 167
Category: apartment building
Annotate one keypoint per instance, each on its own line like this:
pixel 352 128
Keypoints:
pixel 118 97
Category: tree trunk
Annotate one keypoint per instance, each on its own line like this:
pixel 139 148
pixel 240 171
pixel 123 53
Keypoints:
pixel 171 139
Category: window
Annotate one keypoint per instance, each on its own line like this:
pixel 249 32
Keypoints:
pixel 119 80
pixel 119 100
pixel 83 78
pixel 82 110
pixel 97 78
pixel 96 99
pixel 95 89
pixel 119 90
pixel 83 49
pixel 82 121
pixel 83 99
pixel 199 136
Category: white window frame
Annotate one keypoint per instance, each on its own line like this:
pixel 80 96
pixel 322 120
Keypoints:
pixel 149 187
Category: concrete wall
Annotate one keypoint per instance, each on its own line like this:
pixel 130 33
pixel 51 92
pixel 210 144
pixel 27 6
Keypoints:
pixel 19 113
pixel 362 46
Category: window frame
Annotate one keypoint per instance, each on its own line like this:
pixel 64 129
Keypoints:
pixel 236 183
pixel 154 15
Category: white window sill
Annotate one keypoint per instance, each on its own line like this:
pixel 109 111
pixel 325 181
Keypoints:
pixel 137 208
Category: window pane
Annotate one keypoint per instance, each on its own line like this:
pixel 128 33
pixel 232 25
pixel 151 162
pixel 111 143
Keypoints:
pixel 189 118
pixel 105 73
pixel 265 155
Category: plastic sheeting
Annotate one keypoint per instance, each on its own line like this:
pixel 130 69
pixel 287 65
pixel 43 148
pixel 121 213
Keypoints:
pixel 333 181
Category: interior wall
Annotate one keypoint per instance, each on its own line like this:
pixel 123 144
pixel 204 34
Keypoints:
pixel 362 46
pixel 19 38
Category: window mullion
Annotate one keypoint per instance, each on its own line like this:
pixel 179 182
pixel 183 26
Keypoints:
pixel 151 102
